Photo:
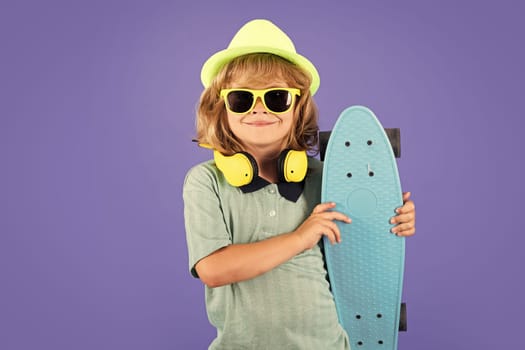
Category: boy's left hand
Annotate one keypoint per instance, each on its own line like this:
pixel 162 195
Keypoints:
pixel 405 218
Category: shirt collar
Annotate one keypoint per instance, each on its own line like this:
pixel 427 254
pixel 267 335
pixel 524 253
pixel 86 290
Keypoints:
pixel 289 190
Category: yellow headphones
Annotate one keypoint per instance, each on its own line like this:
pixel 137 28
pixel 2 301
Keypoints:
pixel 241 168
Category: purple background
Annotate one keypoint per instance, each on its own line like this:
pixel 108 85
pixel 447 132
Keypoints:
pixel 97 114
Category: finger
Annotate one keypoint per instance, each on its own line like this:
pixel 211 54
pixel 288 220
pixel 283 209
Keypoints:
pixel 331 231
pixel 402 227
pixel 320 208
pixel 331 237
pixel 407 233
pixel 336 232
pixel 335 215
pixel 406 196
pixel 402 218
pixel 409 206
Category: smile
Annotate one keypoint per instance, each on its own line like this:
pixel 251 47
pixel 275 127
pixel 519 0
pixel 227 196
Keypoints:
pixel 261 123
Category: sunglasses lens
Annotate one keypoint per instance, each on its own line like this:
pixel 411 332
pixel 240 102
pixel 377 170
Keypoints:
pixel 278 100
pixel 240 101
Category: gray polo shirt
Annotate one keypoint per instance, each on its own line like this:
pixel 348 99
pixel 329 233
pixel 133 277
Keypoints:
pixel 289 307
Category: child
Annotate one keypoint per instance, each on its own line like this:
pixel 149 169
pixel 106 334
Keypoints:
pixel 253 234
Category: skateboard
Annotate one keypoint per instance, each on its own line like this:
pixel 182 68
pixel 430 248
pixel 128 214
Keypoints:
pixel 366 269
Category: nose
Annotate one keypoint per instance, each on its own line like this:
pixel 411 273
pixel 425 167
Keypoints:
pixel 259 107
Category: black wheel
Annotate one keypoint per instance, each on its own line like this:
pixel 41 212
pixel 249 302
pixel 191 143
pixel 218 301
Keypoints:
pixel 394 136
pixel 403 318
pixel 323 142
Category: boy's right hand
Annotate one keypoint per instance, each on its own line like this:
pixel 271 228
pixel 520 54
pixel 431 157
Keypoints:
pixel 321 223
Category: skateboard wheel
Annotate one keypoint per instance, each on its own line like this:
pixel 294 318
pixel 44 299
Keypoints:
pixel 323 142
pixel 394 136
pixel 403 318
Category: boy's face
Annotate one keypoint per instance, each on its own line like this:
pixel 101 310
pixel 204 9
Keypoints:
pixel 260 129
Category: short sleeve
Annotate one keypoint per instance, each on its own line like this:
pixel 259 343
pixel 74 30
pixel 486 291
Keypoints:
pixel 206 231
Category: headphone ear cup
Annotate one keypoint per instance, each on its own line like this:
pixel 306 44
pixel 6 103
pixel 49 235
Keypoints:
pixel 239 169
pixel 292 166
pixel 253 165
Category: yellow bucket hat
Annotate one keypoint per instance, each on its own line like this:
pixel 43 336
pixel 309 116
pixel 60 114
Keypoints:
pixel 259 35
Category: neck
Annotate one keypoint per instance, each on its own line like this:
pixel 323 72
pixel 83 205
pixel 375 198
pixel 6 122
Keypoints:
pixel 267 163
pixel 268 170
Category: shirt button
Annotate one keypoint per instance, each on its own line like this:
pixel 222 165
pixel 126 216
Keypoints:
pixel 272 190
pixel 272 213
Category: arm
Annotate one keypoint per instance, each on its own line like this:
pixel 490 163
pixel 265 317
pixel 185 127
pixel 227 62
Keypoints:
pixel 239 262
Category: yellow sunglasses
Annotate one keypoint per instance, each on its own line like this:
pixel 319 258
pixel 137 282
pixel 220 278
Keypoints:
pixel 275 100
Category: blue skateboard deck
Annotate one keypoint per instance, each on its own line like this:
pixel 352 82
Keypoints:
pixel 366 269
